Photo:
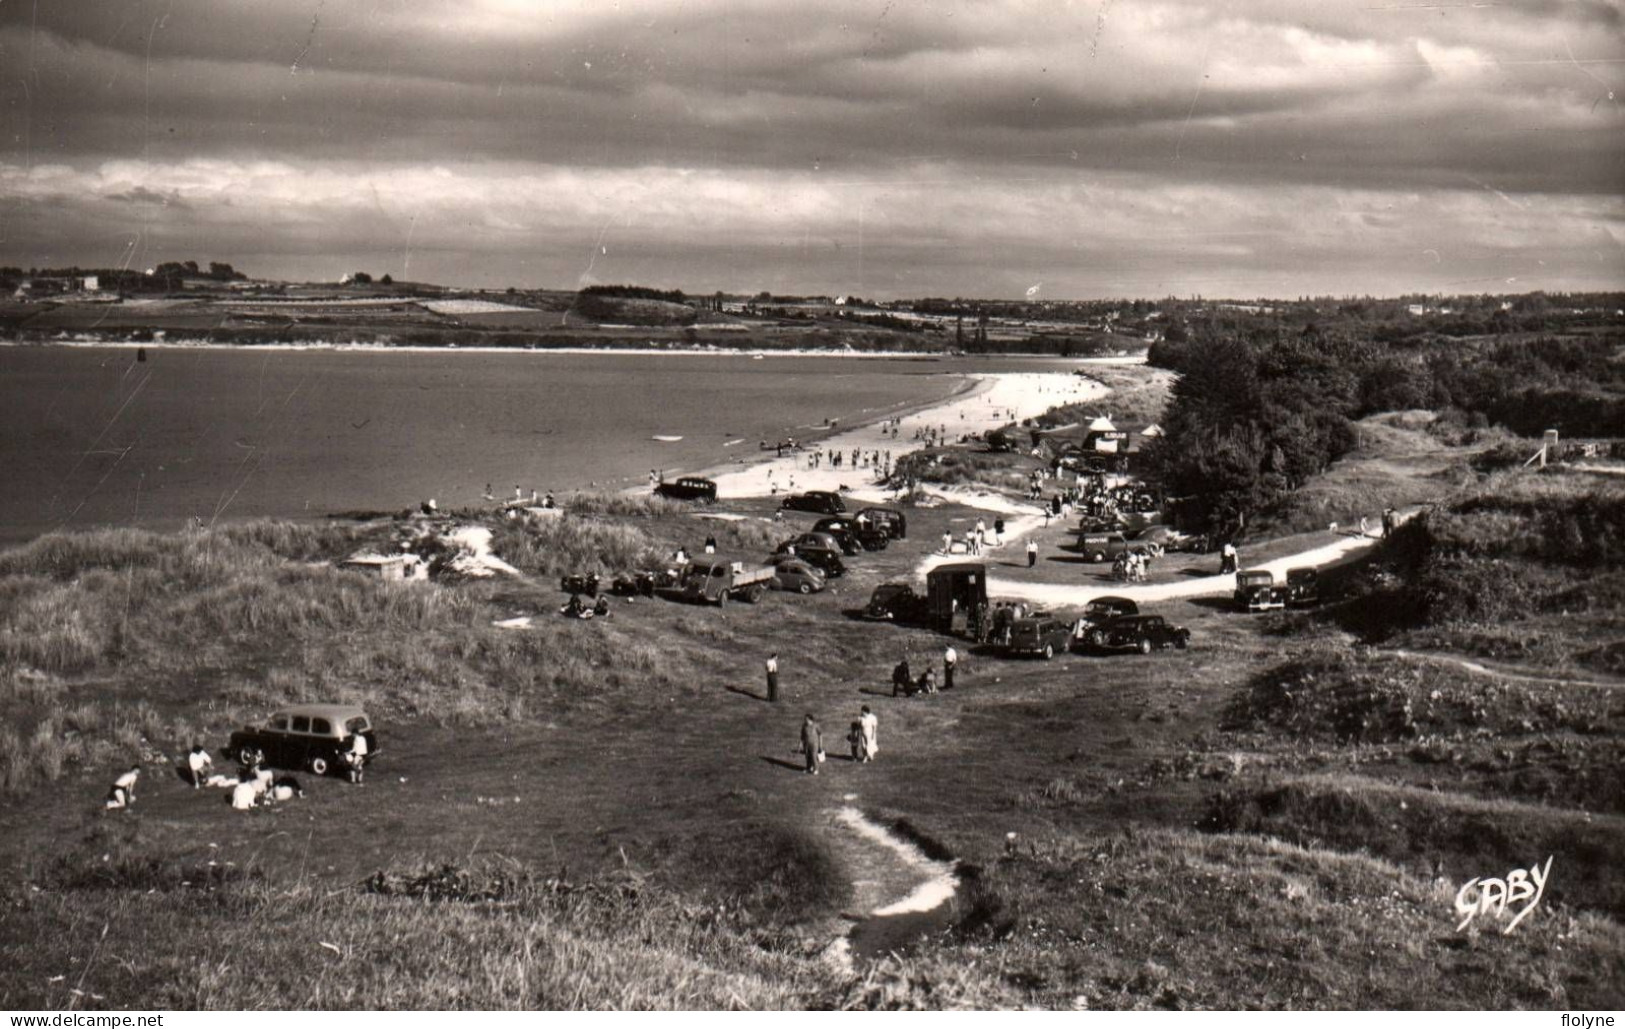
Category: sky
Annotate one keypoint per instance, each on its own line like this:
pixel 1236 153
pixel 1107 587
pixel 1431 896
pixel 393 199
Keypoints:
pixel 884 148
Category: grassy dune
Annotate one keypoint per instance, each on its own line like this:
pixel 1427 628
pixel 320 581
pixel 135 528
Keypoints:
pixel 607 813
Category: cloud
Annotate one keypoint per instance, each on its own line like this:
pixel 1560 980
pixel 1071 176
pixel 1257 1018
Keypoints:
pixel 949 120
pixel 927 230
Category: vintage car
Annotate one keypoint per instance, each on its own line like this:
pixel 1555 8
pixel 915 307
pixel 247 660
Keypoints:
pixel 1102 546
pixel 1102 610
pixel 816 501
pixel 890 519
pixel 853 535
pixel 1038 636
pixel 689 487
pixel 1258 591
pixel 1144 633
pixel 1302 587
pixel 895 602
pixel 818 549
pixel 313 737
pixel 797 576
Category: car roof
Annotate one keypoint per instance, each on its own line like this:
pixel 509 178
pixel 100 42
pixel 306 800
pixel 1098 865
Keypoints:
pixel 334 711
pixel 1111 600
pixel 958 567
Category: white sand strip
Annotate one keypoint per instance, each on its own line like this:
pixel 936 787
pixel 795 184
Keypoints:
pixel 996 399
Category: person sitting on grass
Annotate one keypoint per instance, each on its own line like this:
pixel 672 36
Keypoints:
pixel 601 608
pixel 199 764
pixel 927 682
pixel 122 794
pixel 286 788
pixel 245 794
pixel 575 608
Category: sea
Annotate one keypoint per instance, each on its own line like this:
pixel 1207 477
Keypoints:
pixel 113 435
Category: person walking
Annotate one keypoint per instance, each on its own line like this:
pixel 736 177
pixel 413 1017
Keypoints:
pixel 869 726
pixel 1032 553
pixel 198 764
pixel 1387 521
pixel 812 743
pixel 950 660
pixel 772 667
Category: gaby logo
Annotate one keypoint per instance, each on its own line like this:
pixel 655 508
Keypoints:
pixel 1482 896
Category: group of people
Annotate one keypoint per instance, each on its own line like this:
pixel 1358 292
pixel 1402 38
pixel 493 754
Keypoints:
pixel 904 684
pixel 993 624
pixel 976 537
pixel 575 607
pixel 1131 565
pixel 862 737
pixel 253 784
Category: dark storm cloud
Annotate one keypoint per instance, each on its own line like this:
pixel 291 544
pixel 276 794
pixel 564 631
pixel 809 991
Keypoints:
pixel 194 112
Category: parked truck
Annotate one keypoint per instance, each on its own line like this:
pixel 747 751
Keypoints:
pixel 714 580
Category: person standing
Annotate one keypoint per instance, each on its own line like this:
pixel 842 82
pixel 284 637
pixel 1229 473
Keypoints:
pixel 198 763
pixel 356 758
pixel 710 544
pixel 812 743
pixel 947 541
pixel 1032 553
pixel 772 677
pixel 950 660
pixel 870 727
pixel 1387 521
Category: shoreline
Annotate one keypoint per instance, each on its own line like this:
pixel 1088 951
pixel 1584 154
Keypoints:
pixel 639 351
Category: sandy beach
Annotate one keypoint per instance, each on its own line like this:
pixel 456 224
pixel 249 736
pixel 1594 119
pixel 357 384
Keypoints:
pixel 993 400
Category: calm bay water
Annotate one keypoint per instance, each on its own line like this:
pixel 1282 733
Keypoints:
pixel 91 436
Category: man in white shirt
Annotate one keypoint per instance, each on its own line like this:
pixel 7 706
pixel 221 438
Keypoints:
pixel 357 757
pixel 950 659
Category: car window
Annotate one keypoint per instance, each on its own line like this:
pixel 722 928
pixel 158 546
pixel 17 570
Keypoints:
pixel 301 724
pixel 279 723
pixel 1153 622
pixel 321 727
pixel 355 725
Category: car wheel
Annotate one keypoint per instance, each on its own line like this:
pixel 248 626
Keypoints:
pixel 1049 651
pixel 318 765
pixel 1145 646
pixel 1097 557
pixel 805 588
pixel 245 755
pixel 1179 642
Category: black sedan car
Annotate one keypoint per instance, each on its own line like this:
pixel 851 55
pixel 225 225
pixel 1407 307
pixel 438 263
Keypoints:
pixel 895 602
pixel 817 501
pixel 1144 633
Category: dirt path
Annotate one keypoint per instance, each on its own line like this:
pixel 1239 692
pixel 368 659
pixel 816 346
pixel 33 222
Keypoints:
pixel 1502 671
pixel 1023 517
pixel 898 891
